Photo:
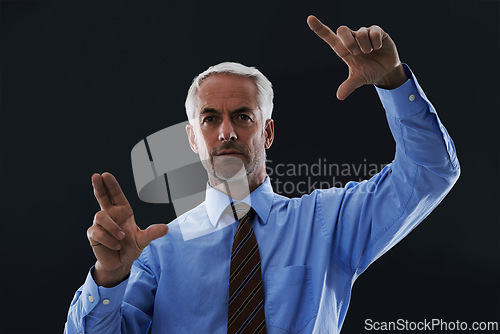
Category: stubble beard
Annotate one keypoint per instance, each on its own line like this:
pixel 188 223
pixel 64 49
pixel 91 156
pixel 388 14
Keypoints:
pixel 227 168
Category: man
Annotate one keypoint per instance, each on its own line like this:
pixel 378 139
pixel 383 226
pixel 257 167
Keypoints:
pixel 299 256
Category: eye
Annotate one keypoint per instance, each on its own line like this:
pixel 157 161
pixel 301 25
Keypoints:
pixel 243 117
pixel 209 119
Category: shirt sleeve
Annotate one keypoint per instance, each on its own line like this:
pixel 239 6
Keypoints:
pixel 125 308
pixel 373 215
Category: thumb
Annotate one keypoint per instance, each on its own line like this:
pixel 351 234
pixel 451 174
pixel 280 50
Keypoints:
pixel 347 87
pixel 153 232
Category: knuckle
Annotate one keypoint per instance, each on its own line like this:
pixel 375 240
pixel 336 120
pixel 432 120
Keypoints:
pixel 96 218
pixel 97 235
pixel 100 215
pixel 91 233
pixel 362 33
pixel 342 29
pixel 374 33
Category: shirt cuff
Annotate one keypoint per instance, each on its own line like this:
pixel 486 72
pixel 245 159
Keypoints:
pixel 99 299
pixel 406 100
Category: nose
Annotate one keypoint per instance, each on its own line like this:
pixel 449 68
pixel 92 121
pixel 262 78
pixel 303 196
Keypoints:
pixel 227 131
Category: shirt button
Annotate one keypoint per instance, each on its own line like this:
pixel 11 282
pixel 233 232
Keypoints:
pixel 411 97
pixel 105 301
pixel 91 299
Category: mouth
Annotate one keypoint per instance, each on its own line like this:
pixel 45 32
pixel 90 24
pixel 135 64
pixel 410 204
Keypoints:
pixel 229 153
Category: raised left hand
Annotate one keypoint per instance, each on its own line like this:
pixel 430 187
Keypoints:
pixel 370 54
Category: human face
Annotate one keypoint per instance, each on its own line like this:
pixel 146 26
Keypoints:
pixel 227 131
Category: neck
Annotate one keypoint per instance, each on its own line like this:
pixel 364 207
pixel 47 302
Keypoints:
pixel 239 188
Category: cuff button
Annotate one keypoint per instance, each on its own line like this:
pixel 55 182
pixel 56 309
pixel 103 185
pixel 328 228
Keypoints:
pixel 411 97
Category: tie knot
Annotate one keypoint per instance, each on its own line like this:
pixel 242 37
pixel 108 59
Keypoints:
pixel 240 210
pixel 249 215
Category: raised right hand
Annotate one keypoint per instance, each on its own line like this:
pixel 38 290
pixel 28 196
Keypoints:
pixel 370 54
pixel 115 238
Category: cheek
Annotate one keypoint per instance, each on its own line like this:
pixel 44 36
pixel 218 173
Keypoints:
pixel 203 142
pixel 258 144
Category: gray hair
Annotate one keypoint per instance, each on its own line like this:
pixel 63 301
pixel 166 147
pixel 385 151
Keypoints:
pixel 264 87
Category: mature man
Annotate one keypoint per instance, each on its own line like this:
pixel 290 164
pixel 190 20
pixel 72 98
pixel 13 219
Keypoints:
pixel 248 260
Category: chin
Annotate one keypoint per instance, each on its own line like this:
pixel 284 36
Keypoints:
pixel 230 177
pixel 229 167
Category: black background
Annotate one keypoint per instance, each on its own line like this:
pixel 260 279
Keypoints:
pixel 83 81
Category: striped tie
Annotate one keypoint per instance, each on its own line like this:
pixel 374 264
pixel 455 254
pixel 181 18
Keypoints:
pixel 246 297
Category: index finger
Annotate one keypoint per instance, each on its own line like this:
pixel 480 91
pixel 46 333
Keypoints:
pixel 326 34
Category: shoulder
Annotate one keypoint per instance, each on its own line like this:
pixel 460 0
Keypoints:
pixel 310 199
pixel 176 227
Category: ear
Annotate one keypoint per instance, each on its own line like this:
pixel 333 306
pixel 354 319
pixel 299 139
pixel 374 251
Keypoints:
pixel 269 133
pixel 192 138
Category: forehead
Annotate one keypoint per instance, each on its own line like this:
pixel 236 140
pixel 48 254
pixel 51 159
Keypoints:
pixel 227 89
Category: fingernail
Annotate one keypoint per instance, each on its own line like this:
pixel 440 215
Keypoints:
pixel 118 247
pixel 121 235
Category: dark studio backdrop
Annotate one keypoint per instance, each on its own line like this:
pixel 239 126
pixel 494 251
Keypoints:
pixel 83 81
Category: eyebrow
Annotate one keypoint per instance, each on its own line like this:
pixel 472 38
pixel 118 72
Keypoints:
pixel 238 110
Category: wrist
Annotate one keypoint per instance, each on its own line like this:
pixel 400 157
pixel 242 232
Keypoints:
pixel 393 79
pixel 109 278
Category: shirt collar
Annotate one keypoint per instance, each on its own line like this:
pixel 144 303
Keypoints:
pixel 260 200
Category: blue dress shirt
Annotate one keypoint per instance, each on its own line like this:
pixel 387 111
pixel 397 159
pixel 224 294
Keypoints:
pixel 312 248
